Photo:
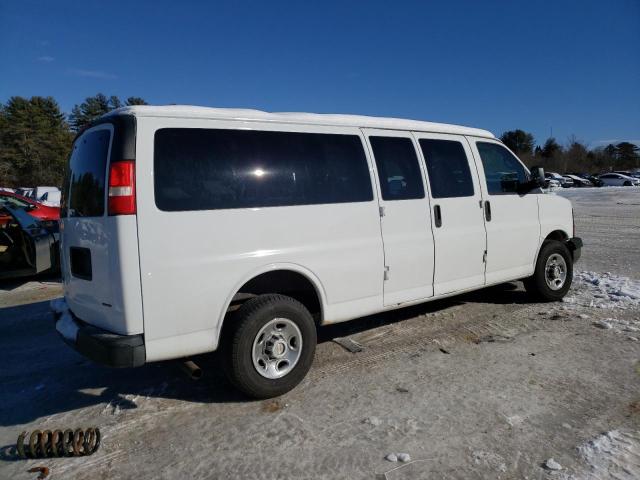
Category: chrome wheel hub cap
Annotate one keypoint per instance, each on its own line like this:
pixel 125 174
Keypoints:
pixel 555 271
pixel 276 348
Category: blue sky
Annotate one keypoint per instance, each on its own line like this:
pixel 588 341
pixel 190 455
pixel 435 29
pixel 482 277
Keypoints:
pixel 573 66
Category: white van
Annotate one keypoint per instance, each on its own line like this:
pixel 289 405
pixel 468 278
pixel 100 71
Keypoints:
pixel 186 230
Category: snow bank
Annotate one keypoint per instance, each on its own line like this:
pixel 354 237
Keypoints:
pixel 613 454
pixel 604 290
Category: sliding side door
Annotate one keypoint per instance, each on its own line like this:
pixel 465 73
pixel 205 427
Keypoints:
pixel 458 223
pixel 404 217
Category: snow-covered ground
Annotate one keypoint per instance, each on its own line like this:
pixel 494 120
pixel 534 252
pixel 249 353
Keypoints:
pixel 607 290
pixel 614 454
pixel 483 386
pixel 608 220
pixel 604 290
pixel 612 296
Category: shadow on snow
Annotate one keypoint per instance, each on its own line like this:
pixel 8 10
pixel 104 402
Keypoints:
pixel 42 376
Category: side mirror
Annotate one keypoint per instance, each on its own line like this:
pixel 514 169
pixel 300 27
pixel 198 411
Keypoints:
pixel 537 176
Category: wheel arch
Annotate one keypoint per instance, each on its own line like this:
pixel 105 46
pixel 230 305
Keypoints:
pixel 557 234
pixel 288 279
pixel 554 233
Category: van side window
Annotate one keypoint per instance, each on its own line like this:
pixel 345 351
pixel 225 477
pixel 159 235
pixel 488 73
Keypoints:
pixel 503 172
pixel 87 167
pixel 208 169
pixel 448 167
pixel 398 168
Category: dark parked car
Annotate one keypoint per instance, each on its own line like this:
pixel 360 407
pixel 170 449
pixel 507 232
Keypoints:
pixel 592 178
pixel 578 181
pixel 568 182
pixel 27 245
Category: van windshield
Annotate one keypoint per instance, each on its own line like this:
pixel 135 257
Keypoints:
pixel 85 187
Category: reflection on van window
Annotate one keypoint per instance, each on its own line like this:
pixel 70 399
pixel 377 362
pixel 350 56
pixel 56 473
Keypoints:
pixel 398 169
pixel 207 169
pixel 87 175
pixel 448 167
pixel 503 172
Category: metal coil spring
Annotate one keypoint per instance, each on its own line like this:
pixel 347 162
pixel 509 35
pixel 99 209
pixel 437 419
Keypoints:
pixel 58 443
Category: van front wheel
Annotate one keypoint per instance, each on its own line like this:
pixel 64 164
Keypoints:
pixel 269 347
pixel 553 275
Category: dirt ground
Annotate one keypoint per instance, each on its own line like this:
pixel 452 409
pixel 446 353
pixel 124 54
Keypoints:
pixel 481 386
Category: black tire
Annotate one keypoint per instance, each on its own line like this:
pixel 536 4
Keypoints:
pixel 537 286
pixel 627 183
pixel 237 348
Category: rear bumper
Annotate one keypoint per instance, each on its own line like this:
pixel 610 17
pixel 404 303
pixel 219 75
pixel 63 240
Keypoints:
pixel 96 344
pixel 575 247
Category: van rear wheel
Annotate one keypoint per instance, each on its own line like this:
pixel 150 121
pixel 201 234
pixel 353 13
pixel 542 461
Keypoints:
pixel 553 275
pixel 270 345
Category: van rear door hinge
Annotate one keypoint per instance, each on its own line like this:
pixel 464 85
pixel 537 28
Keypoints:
pixel 386 272
pixel 484 257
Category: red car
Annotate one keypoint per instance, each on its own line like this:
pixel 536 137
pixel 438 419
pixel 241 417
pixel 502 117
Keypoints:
pixel 35 209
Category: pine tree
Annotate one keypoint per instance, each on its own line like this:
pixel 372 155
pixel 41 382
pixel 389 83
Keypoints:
pixel 96 106
pixel 34 142
pixel 611 151
pixel 551 148
pixel 136 101
pixel 519 141
pixel 627 155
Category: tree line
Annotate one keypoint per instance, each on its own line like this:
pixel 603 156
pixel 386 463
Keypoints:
pixel 36 137
pixel 574 156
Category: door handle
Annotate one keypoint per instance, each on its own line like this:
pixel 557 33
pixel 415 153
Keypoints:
pixel 487 210
pixel 437 215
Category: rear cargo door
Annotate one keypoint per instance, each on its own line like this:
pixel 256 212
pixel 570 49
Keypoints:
pixel 99 259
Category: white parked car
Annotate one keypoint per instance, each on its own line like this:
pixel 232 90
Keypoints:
pixel 245 230
pixel 556 176
pixel 633 174
pixel 618 180
pixel 552 184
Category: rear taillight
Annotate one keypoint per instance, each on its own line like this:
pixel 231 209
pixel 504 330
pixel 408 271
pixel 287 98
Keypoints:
pixel 573 219
pixel 122 188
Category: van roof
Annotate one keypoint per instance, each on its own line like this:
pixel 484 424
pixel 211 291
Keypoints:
pixel 189 111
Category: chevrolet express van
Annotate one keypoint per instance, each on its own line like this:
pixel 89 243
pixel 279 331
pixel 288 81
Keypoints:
pixel 186 230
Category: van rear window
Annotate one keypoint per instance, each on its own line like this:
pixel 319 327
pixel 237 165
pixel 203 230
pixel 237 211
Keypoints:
pixel 208 169
pixel 86 185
